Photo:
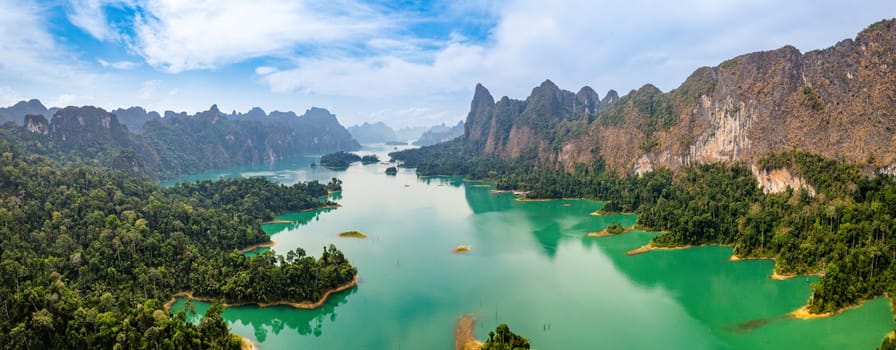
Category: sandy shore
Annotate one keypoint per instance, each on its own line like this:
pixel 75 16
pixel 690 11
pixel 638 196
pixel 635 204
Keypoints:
pixel 305 305
pixel 775 274
pixel 804 314
pixel 605 233
pixel 463 335
pixel 650 247
pixel 516 193
pixel 250 248
pixel 245 343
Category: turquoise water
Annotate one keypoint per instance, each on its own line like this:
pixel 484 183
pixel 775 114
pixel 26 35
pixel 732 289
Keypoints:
pixel 532 266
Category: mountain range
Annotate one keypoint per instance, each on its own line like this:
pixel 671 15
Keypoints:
pixel 839 102
pixel 173 145
pixel 379 132
pixel 440 133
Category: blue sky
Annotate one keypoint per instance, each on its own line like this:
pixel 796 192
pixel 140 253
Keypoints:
pixel 402 62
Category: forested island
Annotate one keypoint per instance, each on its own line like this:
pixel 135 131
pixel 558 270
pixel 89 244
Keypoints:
pixel 370 159
pixel 339 159
pixel 90 255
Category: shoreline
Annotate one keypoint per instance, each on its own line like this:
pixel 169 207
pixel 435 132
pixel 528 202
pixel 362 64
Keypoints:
pixel 515 192
pixel 245 343
pixel 304 305
pixel 649 247
pixel 463 334
pixel 547 199
pixel 250 248
pixel 281 221
pixel 803 312
pixel 599 212
pixel 606 233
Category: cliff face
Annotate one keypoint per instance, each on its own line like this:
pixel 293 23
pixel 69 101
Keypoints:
pixel 839 102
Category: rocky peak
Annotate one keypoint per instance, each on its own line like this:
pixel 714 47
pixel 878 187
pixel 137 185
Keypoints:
pixel 256 112
pixel 482 98
pixel 19 110
pixel 33 104
pixel 479 119
pixel 317 113
pixel 588 98
pixel 610 98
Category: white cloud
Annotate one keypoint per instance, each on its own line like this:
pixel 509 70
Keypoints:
pixel 265 70
pixel 66 100
pixel 8 96
pixel 124 65
pixel 575 43
pixel 149 89
pixel 184 35
pixel 90 17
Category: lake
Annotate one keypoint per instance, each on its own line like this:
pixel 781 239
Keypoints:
pixel 530 265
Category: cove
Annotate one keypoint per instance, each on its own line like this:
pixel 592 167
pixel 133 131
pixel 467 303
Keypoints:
pixel 530 265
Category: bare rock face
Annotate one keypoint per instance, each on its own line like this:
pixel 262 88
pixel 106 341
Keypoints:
pixel 839 102
pixel 779 180
pixel 37 124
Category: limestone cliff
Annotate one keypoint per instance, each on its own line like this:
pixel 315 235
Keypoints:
pixel 838 102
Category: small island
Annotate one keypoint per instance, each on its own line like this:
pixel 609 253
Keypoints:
pixel 391 170
pixel 339 160
pixel 370 159
pixel 461 249
pixel 352 234
pixel 613 229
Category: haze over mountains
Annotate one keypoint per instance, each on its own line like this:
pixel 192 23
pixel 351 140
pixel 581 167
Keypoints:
pixel 176 144
pixel 838 102
pixel 379 132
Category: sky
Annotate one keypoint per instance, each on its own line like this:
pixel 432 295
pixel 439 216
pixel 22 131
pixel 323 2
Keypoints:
pixel 401 62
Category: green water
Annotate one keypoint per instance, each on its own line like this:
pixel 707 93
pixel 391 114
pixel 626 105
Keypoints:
pixel 530 266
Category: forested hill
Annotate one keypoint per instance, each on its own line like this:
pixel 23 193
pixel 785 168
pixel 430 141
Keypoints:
pixel 837 102
pixel 177 144
pixel 89 256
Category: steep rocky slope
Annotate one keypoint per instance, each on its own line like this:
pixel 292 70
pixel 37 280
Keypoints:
pixel 838 102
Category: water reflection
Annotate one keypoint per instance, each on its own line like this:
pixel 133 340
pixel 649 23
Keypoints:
pixel 292 221
pixel 276 319
pixel 549 222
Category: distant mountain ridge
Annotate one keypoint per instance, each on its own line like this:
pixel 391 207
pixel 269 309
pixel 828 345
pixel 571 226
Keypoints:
pixel 838 102
pixel 377 132
pixel 440 133
pixel 177 144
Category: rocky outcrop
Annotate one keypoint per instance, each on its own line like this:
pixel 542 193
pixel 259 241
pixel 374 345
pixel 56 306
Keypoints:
pixel 838 102
pixel 135 117
pixel 779 180
pixel 37 124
